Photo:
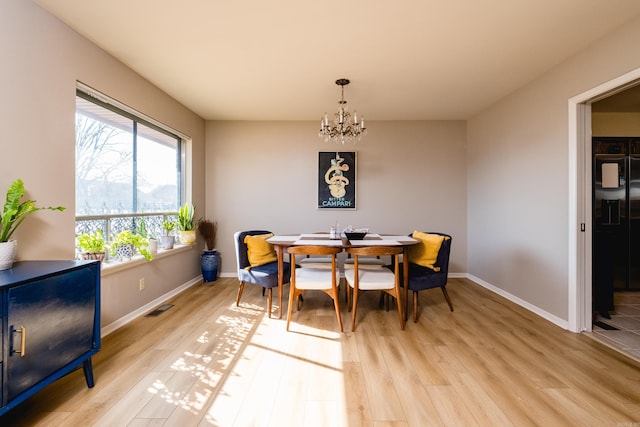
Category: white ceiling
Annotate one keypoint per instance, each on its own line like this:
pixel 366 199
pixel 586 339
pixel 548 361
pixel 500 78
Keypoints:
pixel 279 59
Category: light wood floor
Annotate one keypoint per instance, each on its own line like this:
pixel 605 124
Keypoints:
pixel 207 362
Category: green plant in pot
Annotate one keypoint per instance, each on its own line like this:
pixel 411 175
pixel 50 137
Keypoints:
pixel 124 242
pixel 153 242
pixel 186 226
pixel 92 245
pixel 167 241
pixel 13 214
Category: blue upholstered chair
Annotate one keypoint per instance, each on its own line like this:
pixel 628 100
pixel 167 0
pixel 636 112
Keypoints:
pixel 423 278
pixel 264 275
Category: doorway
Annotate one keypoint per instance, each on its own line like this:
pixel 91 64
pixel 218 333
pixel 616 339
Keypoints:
pixel 581 216
pixel 580 197
pixel 616 220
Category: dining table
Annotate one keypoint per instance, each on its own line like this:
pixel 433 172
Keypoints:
pixel 282 242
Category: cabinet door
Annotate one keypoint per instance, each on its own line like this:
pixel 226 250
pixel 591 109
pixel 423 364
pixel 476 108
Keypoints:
pixel 57 314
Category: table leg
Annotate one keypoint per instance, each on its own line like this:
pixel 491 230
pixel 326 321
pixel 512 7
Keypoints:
pixel 280 278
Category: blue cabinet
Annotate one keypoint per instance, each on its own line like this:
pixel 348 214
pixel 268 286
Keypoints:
pixel 50 324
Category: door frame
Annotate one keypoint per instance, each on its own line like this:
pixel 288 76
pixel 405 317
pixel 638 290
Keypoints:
pixel 580 197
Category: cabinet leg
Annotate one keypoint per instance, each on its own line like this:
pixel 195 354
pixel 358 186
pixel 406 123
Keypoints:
pixel 88 372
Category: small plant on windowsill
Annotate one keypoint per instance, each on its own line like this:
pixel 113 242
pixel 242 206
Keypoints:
pixel 186 226
pixel 167 241
pixel 124 242
pixel 92 245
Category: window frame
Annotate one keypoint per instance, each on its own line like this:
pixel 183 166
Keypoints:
pixel 84 222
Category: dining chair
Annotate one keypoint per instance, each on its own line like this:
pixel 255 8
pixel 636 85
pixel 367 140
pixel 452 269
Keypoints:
pixel 366 262
pixel 257 263
pixel 428 266
pixel 314 279
pixel 309 261
pixel 373 279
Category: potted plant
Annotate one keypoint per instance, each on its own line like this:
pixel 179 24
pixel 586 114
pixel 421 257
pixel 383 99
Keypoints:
pixel 166 241
pixel 186 226
pixel 153 242
pixel 124 242
pixel 210 259
pixel 13 213
pixel 92 245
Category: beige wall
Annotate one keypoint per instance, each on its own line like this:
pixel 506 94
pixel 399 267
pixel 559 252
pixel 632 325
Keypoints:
pixel 40 61
pixel 518 179
pixel 410 175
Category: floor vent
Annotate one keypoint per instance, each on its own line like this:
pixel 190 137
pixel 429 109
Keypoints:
pixel 604 326
pixel 158 311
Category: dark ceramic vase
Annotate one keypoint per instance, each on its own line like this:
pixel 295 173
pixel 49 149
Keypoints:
pixel 209 261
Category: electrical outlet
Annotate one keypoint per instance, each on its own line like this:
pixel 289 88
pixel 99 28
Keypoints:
pixel 142 283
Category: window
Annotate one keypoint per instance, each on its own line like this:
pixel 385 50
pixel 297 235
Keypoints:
pixel 128 169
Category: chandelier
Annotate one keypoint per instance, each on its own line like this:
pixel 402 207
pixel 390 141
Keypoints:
pixel 343 128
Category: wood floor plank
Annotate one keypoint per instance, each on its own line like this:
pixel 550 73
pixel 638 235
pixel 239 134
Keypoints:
pixel 384 398
pixel 206 362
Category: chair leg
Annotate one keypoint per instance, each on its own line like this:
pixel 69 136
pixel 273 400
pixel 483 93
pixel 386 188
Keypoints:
pixel 269 299
pixel 292 297
pixel 415 307
pixel 446 296
pixel 240 289
pixel 354 309
pixel 337 306
pixel 400 314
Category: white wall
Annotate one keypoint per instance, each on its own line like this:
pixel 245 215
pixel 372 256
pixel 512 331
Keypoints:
pixel 518 176
pixel 410 175
pixel 40 61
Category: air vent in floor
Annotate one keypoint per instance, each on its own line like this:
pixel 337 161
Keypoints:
pixel 159 310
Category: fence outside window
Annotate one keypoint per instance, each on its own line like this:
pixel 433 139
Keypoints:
pixel 114 224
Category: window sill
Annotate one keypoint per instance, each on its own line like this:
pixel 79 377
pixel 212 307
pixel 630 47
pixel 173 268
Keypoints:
pixel 113 267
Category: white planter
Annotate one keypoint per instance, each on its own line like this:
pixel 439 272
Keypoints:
pixel 153 247
pixel 166 242
pixel 124 252
pixel 7 254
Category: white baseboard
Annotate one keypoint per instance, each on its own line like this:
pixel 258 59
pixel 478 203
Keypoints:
pixel 564 324
pixel 147 307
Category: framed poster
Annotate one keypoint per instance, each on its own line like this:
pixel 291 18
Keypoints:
pixel 337 180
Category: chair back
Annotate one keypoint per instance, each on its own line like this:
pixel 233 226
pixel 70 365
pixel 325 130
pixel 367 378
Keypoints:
pixel 374 250
pixel 242 253
pixel 315 250
pixel 442 260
